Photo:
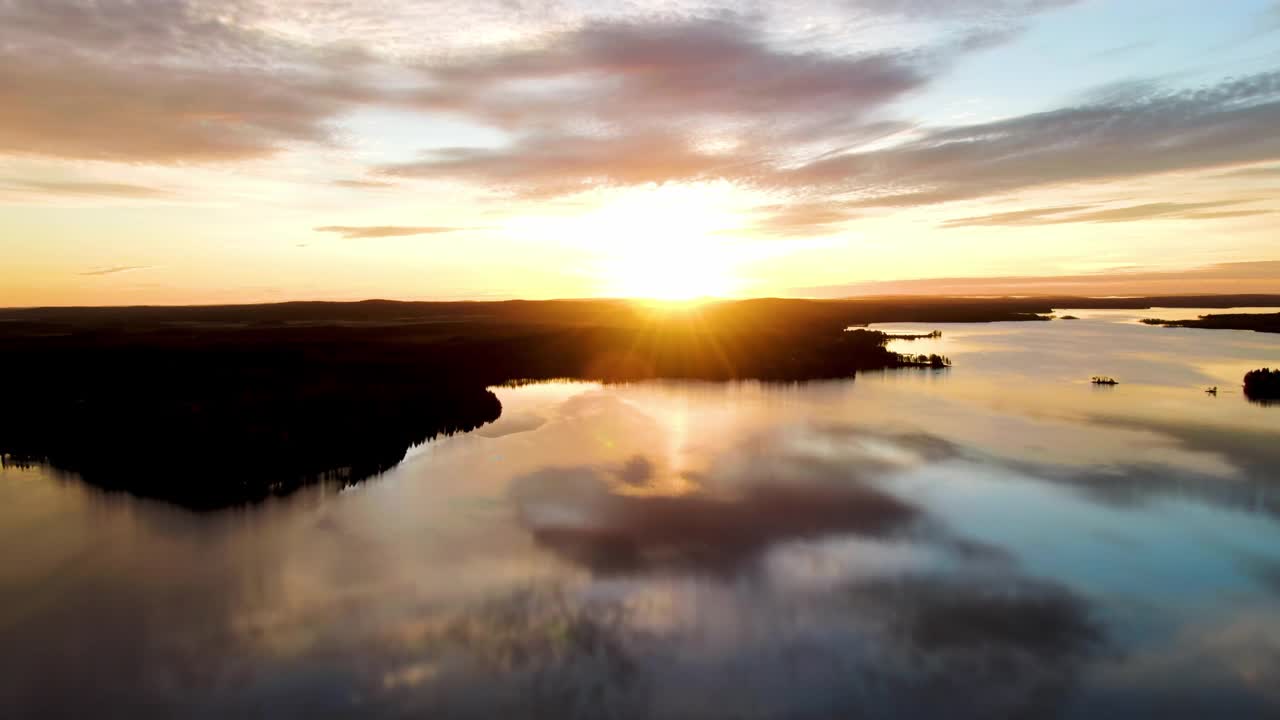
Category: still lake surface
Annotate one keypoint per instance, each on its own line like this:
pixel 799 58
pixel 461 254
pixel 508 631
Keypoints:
pixel 997 539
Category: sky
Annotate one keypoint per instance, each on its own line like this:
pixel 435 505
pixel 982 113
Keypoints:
pixel 202 151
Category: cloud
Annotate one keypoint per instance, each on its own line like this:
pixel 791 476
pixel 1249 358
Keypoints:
pixel 352 232
pixel 634 102
pixel 1132 134
pixel 160 81
pixel 643 70
pixel 81 188
pixel 1227 278
pixel 116 269
pixel 802 219
pixel 548 164
pixel 767 491
pixel 175 81
pixel 572 512
pixel 1260 172
pixel 1224 214
pixel 627 103
pixel 950 8
pixel 637 471
pixel 1032 216
pixel 1087 213
pixel 363 184
pixel 594 99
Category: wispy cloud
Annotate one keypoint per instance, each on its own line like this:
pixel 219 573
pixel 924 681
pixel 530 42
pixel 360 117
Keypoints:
pixel 1255 172
pixel 353 232
pixel 1030 216
pixel 1090 214
pixel 364 184
pixel 81 188
pixel 117 269
pixel 1230 123
pixel 802 219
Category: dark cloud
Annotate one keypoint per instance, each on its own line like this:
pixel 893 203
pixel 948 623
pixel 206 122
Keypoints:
pixel 572 512
pixel 354 232
pixel 1255 452
pixel 654 71
pixel 1088 213
pixel 637 471
pixel 763 492
pixel 937 615
pixel 625 103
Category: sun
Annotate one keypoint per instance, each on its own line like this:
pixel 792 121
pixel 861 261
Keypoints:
pixel 670 243
pixel 663 272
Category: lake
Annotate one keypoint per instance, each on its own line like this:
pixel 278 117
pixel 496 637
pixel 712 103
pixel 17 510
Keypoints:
pixel 1001 538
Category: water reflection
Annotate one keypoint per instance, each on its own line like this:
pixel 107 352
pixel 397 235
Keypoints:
pixel 995 541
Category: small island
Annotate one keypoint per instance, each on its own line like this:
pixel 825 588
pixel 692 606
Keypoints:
pixel 1068 317
pixel 1103 380
pixel 1262 385
pixel 915 336
pixel 932 360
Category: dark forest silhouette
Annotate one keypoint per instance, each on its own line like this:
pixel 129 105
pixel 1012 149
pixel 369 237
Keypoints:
pixel 1260 322
pixel 1262 385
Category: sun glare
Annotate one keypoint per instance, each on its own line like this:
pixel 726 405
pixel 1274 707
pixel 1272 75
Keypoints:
pixel 666 244
pixel 669 271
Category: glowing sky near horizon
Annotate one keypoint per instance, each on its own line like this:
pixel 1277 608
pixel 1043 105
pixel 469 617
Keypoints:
pixel 193 151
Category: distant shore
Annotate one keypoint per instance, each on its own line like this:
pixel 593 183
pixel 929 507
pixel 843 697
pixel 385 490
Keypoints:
pixel 1258 322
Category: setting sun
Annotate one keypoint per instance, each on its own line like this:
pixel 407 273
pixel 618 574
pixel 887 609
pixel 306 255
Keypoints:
pixel 669 272
pixel 665 243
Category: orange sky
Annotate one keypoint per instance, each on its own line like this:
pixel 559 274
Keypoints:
pixel 191 151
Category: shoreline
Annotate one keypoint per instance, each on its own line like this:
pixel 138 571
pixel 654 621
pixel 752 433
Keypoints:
pixel 210 408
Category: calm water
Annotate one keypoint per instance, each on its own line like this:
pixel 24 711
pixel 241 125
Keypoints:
pixel 997 539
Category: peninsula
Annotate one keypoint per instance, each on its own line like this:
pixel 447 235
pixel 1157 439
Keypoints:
pixel 1259 322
